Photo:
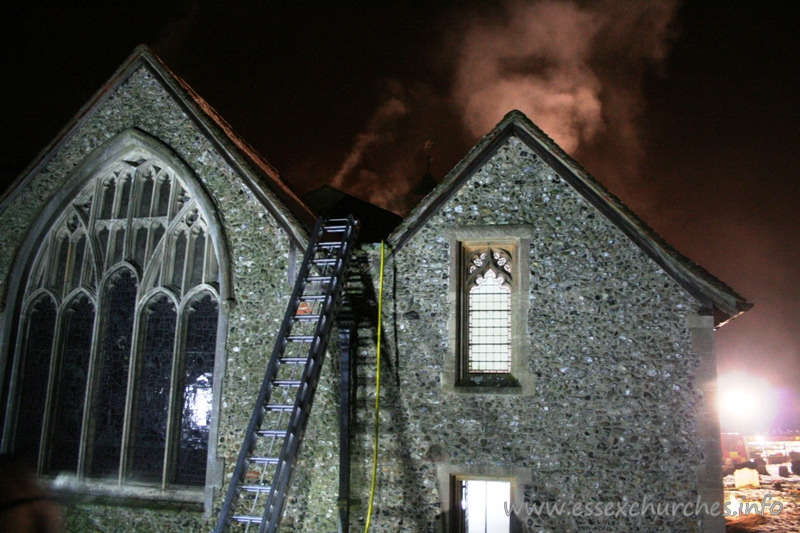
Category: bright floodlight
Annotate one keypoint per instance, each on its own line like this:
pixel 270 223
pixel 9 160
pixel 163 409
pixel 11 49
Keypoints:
pixel 746 403
pixel 737 402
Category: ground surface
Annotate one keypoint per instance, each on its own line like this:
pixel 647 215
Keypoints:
pixel 782 496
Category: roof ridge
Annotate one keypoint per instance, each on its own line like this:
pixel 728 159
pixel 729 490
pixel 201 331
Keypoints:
pixel 694 278
pixel 306 216
pixel 290 210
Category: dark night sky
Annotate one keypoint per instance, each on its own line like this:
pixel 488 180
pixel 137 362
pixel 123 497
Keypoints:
pixel 686 111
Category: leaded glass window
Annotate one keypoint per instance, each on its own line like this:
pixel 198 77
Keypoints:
pixel 151 402
pixel 487 309
pixel 489 324
pixel 117 335
pixel 201 338
pixel 109 395
pixel 39 329
pixel 69 386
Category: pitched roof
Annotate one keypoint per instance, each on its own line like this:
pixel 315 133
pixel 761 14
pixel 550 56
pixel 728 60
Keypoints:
pixel 289 210
pixel 709 290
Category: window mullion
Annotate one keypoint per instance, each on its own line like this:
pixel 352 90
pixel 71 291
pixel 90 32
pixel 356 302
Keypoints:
pixel 188 255
pixel 117 195
pixel 151 211
pixel 168 259
pixel 133 373
pixel 88 397
pixel 133 212
pixel 210 267
pixel 175 399
pixel 9 423
pixel 65 287
pixel 172 205
pixel 92 254
pixel 48 257
pixel 207 253
pixel 130 231
pixel 55 359
pixel 149 247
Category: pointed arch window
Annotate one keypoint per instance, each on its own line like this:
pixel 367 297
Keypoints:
pixel 489 291
pixel 488 309
pixel 39 328
pixel 116 340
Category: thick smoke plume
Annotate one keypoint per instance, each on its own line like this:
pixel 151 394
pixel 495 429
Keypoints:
pixel 534 59
pixel 378 133
pixel 575 69
pixel 390 155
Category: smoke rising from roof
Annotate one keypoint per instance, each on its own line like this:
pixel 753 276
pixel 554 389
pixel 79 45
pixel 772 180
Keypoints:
pixel 713 169
pixel 390 154
pixel 575 69
pixel 379 132
pixel 534 59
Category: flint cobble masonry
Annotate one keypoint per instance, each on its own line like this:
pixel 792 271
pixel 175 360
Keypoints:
pixel 616 354
pixel 614 404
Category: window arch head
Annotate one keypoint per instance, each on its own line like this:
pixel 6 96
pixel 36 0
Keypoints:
pixel 134 242
pixel 488 310
pixel 489 350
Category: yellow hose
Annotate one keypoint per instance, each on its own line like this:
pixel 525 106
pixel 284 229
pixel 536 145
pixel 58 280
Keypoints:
pixel 377 396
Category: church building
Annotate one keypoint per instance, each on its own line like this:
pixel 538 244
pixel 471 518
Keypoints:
pixel 543 353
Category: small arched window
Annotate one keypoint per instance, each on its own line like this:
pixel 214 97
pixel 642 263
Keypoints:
pixel 116 340
pixel 488 310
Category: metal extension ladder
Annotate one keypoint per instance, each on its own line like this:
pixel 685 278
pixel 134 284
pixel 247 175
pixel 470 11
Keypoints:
pixel 261 478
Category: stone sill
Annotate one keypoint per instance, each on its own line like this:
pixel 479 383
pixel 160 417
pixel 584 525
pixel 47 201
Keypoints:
pixel 488 384
pixel 107 492
pixel 473 389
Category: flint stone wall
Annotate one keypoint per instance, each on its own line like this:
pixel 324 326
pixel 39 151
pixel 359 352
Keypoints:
pixel 613 414
pixel 258 249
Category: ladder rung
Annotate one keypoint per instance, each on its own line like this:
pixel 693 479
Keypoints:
pixel 279 408
pixel 287 382
pixel 300 338
pixel 337 227
pixel 262 461
pixel 247 519
pixel 318 279
pixel 324 261
pixel 272 432
pixel 293 360
pixel 329 244
pixel 313 297
pixel 307 318
pixel 256 488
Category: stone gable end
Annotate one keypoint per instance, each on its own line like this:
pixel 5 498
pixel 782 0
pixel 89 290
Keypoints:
pixel 258 248
pixel 613 406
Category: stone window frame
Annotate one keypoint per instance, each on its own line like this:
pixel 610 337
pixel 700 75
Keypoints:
pixel 486 265
pixel 520 380
pixel 127 145
pixel 449 474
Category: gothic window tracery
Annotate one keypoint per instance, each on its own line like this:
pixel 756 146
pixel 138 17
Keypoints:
pixel 117 336
pixel 488 286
